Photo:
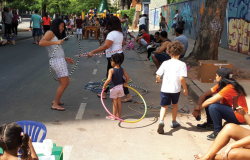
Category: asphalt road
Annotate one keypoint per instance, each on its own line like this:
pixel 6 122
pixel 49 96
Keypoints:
pixel 27 90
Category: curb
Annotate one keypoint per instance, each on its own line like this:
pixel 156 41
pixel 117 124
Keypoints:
pixel 193 90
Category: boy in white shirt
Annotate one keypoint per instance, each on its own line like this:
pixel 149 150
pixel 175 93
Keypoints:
pixel 173 72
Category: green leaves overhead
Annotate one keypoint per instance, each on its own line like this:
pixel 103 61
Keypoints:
pixel 55 6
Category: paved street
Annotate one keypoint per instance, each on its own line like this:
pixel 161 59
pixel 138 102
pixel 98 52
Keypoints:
pixel 27 90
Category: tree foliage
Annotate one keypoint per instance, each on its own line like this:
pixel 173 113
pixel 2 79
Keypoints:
pixel 55 6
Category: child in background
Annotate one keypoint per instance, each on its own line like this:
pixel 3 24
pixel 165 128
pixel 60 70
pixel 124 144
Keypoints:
pixel 12 139
pixel 79 23
pixel 115 81
pixel 69 27
pixel 173 72
pixel 164 24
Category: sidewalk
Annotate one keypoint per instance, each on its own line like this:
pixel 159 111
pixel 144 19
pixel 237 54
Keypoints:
pixel 196 88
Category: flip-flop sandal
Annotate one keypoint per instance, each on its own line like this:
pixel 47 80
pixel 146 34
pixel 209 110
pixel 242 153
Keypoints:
pixel 100 97
pixel 127 100
pixel 60 104
pixel 58 109
pixel 110 118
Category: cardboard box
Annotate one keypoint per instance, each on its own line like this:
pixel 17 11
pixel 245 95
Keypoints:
pixel 207 69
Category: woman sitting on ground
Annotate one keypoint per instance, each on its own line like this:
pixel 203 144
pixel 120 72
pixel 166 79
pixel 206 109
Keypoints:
pixel 240 149
pixel 156 43
pixel 12 139
pixel 227 89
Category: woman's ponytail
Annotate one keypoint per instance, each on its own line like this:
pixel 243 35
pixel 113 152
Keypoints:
pixel 25 149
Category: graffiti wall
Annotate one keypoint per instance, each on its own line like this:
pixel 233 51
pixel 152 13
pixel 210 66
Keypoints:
pixel 191 11
pixel 238 13
pixel 236 29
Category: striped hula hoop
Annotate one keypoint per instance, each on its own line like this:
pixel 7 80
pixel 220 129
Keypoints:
pixel 80 50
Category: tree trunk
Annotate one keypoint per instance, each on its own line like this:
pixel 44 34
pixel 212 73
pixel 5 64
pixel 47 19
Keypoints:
pixel 43 9
pixel 129 3
pixel 136 16
pixel 209 35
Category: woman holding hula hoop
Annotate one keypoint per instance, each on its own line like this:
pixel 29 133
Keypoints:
pixel 50 40
pixel 113 42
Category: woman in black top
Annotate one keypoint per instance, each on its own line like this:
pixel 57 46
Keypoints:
pixel 156 43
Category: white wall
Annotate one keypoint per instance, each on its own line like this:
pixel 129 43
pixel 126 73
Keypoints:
pixel 157 3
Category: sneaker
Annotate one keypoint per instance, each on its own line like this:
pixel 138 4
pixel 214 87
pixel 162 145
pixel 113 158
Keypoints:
pixel 212 136
pixel 205 126
pixel 161 128
pixel 175 124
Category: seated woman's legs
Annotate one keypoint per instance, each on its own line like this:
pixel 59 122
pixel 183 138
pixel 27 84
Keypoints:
pixel 229 131
pixel 218 112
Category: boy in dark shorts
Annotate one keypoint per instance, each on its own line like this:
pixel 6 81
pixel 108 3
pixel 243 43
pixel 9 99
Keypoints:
pixel 174 72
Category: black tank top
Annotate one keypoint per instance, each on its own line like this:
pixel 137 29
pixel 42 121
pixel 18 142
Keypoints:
pixel 117 77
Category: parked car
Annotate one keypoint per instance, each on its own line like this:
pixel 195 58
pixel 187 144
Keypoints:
pixel 20 19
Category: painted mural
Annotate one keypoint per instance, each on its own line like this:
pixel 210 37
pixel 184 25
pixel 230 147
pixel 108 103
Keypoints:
pixel 239 25
pixel 236 29
pixel 190 11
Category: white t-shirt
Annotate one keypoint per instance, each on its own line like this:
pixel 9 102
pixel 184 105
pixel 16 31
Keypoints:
pixel 173 70
pixel 71 21
pixel 117 38
pixel 142 21
pixel 177 18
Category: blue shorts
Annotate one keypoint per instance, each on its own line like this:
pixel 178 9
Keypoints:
pixel 40 31
pixel 162 57
pixel 169 98
pixel 36 32
pixel 174 25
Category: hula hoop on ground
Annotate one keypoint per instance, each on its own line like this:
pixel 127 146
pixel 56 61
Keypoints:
pixel 80 50
pixel 104 80
pixel 146 91
pixel 122 119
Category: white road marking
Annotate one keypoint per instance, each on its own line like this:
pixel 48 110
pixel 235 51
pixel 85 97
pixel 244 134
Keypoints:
pixel 94 71
pixel 100 55
pixel 98 62
pixel 66 152
pixel 81 111
pixel 85 98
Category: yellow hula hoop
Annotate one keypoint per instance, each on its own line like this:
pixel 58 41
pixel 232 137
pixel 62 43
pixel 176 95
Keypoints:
pixel 122 119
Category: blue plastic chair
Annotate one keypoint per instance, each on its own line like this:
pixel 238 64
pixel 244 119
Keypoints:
pixel 33 128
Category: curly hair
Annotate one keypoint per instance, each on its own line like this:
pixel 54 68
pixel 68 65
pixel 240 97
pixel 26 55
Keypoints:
pixel 175 48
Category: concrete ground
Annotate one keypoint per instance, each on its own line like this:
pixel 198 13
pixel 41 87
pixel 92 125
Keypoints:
pixel 27 91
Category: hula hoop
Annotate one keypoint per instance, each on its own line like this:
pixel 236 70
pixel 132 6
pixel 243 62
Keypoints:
pixel 122 119
pixel 80 50
pixel 104 80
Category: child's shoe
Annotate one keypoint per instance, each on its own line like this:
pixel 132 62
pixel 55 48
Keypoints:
pixel 174 124
pixel 161 127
